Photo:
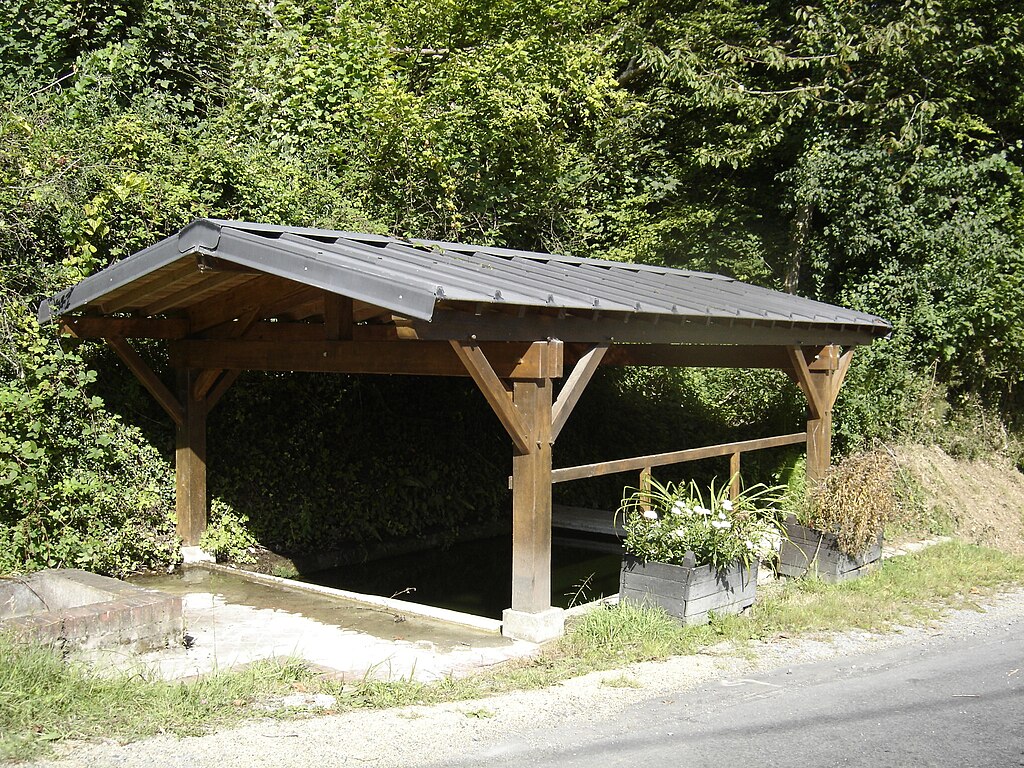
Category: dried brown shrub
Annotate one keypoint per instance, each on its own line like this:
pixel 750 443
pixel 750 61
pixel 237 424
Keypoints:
pixel 856 499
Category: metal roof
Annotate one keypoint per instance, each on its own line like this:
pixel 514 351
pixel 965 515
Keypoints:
pixel 412 277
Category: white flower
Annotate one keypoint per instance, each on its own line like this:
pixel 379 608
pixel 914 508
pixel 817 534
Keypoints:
pixel 727 505
pixel 650 514
pixel 721 525
pixel 679 533
pixel 768 544
pixel 702 510
pixel 679 508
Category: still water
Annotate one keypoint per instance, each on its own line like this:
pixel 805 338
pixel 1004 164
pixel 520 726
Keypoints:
pixel 476 577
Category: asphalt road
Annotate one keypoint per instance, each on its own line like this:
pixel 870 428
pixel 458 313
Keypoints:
pixel 946 703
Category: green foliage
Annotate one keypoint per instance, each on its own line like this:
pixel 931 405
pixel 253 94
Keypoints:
pixel 78 488
pixel 858 152
pixel 227 535
pixel 666 523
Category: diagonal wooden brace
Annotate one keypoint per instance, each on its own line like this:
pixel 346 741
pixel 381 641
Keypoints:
pixel 495 392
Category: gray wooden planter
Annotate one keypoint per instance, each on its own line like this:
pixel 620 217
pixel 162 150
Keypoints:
pixel 809 551
pixel 690 591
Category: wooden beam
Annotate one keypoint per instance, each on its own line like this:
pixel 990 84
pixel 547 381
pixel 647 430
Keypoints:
pixel 190 463
pixel 510 361
pixel 149 379
pixel 223 385
pixel 574 386
pixel 338 317
pixel 99 327
pixel 690 355
pixel 841 370
pixel 625 328
pixel 477 365
pixel 204 381
pixel 531 501
pixel 815 402
pixel 674 457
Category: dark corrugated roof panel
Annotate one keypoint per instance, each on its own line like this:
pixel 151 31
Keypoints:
pixel 408 277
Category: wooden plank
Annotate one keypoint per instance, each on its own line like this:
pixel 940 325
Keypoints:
pixel 573 388
pixel 190 463
pixel 599 521
pixel 149 379
pixel 136 293
pixel 195 290
pixel 476 363
pixel 420 358
pixel 258 292
pixel 599 469
pixel 531 501
pixel 99 327
pixel 690 355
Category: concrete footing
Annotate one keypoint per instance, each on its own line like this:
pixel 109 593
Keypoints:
pixel 193 555
pixel 533 627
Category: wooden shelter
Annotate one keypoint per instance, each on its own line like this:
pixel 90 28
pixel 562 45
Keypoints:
pixel 233 296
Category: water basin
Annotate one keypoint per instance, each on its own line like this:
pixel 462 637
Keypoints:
pixel 476 577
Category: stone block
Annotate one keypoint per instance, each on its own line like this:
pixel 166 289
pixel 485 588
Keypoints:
pixel 533 627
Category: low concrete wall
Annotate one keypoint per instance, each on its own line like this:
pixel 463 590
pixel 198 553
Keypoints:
pixel 76 608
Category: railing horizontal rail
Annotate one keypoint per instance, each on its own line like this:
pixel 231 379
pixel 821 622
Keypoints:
pixel 602 468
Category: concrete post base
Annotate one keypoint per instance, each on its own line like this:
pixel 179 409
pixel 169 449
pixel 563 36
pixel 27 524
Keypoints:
pixel 533 627
pixel 190 555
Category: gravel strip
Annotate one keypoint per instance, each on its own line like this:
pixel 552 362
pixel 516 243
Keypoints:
pixel 422 736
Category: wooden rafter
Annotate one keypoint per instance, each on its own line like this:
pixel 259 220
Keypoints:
pixel 193 291
pixel 263 291
pixel 149 379
pixel 494 391
pixel 573 388
pixel 337 317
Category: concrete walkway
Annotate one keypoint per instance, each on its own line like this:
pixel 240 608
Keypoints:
pixel 231 621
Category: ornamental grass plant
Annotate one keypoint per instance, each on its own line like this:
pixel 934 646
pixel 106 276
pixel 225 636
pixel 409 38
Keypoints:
pixel 664 522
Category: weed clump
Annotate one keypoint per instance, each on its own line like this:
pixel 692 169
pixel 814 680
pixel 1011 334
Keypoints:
pixel 855 500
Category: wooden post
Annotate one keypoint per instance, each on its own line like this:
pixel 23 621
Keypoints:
pixel 645 488
pixel 820 379
pixel 734 476
pixel 190 461
pixel 531 500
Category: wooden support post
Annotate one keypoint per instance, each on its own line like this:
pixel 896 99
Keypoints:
pixel 645 488
pixel 820 379
pixel 531 500
pixel 190 461
pixel 734 476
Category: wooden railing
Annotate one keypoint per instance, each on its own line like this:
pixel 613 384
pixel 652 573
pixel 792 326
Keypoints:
pixel 646 463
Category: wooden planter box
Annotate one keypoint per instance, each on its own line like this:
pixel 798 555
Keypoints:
pixel 688 592
pixel 808 551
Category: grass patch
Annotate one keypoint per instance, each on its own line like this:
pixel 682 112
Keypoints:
pixel 44 699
